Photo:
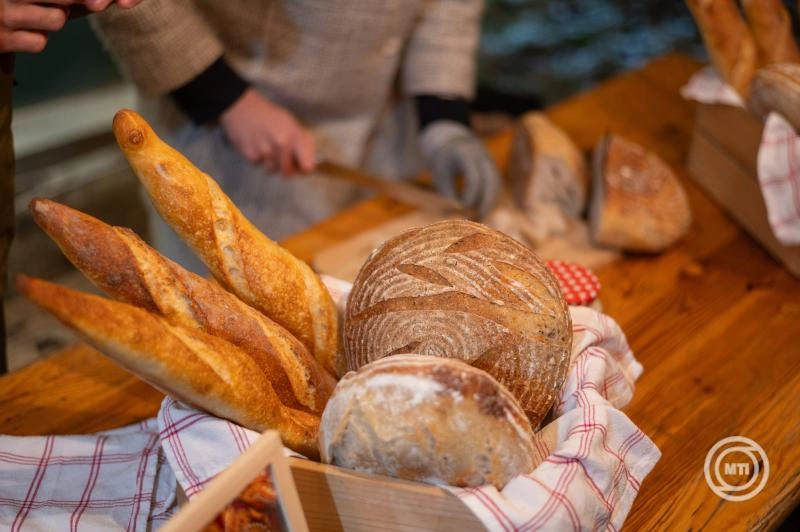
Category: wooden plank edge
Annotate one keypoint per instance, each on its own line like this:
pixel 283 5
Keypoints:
pixel 339 499
pixel 728 183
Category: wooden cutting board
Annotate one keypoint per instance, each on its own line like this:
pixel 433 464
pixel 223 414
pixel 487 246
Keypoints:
pixel 343 260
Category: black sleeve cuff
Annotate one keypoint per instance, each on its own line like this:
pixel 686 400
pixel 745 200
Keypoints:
pixel 433 108
pixel 213 91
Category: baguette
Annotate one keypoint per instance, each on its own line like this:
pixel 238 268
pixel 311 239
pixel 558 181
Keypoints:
pixel 121 264
pixel 259 271
pixel 188 364
pixel 771 26
pixel 728 41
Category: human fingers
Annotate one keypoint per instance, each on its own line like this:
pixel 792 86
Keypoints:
pixel 284 156
pixel 33 17
pixel 97 5
pixel 22 41
pixel 127 4
pixel 305 152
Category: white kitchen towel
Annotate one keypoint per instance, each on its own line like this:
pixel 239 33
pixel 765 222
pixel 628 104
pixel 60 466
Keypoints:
pixel 778 156
pixel 116 480
pixel 591 458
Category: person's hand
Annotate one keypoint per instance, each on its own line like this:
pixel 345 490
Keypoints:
pixel 267 134
pixel 450 150
pixel 25 24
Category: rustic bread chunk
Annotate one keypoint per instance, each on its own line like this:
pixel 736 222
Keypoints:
pixel 638 204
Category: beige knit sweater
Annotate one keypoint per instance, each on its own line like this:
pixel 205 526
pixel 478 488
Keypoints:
pixel 333 63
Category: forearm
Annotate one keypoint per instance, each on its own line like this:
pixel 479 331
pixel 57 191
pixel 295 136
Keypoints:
pixel 431 108
pixel 206 97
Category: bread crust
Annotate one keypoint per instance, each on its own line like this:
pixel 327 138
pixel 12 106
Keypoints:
pixel 117 261
pixel 188 364
pixel 458 289
pixel 427 419
pixel 777 88
pixel 728 41
pixel 259 271
pixel 545 166
pixel 638 204
pixel 771 26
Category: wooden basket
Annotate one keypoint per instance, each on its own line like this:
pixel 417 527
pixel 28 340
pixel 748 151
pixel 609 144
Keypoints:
pixel 723 160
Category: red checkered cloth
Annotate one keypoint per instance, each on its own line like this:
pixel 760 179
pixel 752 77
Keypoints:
pixel 117 480
pixel 778 157
pixel 591 458
pixel 579 285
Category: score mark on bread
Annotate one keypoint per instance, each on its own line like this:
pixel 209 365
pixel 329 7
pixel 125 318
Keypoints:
pixel 457 289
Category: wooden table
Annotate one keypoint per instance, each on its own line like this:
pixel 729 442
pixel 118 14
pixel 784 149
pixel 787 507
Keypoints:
pixel 715 322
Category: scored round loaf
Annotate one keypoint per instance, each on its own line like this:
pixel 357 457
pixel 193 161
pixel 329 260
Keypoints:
pixel 459 289
pixel 427 419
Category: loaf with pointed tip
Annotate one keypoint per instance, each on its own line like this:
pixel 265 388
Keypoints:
pixel 121 264
pixel 259 271
pixel 728 41
pixel 459 289
pixel 771 26
pixel 188 364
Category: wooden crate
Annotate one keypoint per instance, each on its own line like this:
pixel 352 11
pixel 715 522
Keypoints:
pixel 317 496
pixel 722 159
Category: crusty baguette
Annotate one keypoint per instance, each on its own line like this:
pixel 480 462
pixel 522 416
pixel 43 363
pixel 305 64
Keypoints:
pixel 241 258
pixel 728 41
pixel 121 264
pixel 771 26
pixel 188 364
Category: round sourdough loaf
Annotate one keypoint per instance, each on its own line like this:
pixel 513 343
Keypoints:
pixel 427 419
pixel 459 289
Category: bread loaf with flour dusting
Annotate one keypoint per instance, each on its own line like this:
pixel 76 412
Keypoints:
pixel 461 290
pixel 428 419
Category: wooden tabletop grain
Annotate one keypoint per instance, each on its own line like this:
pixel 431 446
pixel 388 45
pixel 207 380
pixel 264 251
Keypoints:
pixel 715 321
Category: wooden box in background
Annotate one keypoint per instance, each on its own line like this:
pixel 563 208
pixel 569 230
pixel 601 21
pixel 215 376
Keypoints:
pixel 723 160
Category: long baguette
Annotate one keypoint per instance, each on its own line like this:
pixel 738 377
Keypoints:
pixel 728 41
pixel 188 364
pixel 121 264
pixel 772 30
pixel 241 258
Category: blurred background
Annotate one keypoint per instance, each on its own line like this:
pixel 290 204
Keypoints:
pixel 533 53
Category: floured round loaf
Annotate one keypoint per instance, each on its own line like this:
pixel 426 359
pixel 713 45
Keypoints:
pixel 459 289
pixel 427 419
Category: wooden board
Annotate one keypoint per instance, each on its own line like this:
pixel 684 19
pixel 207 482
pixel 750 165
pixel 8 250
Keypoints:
pixel 343 260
